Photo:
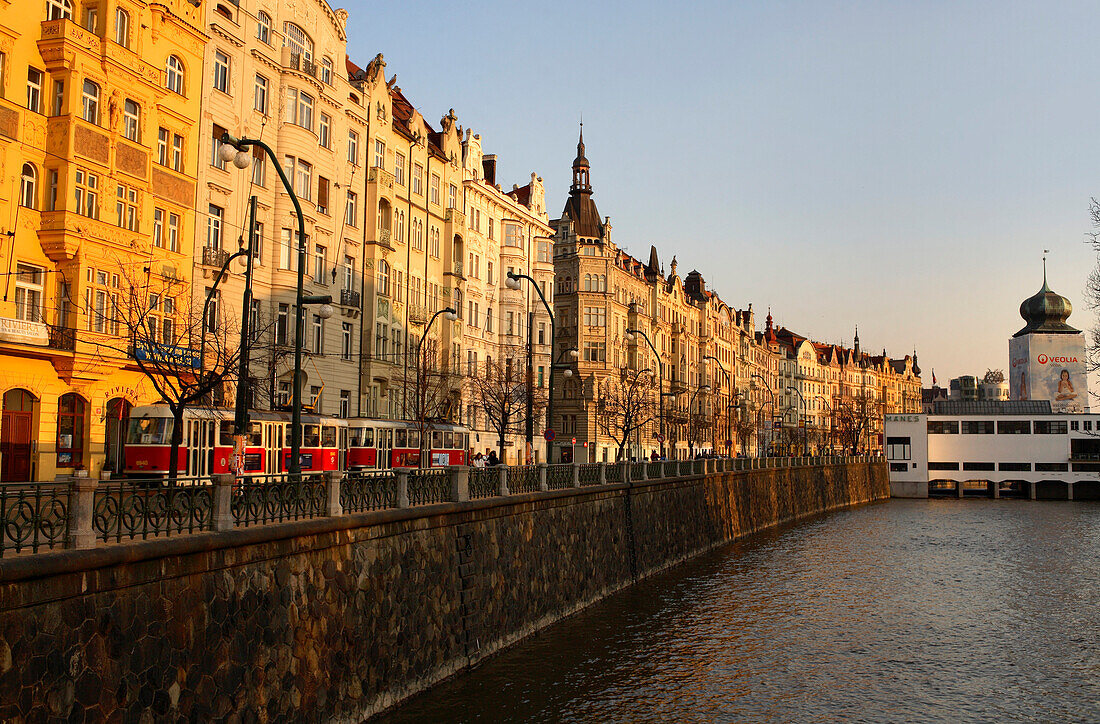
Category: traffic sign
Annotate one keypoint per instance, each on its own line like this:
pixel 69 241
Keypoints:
pixel 574 441
pixel 660 437
pixel 729 443
pixel 548 433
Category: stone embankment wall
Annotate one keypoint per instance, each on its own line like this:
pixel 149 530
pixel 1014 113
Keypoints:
pixel 340 618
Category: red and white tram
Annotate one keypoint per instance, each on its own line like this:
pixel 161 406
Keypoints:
pixel 327 443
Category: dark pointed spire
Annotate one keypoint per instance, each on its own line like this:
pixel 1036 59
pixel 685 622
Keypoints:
pixel 580 207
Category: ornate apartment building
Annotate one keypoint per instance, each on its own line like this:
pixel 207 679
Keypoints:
pixel 721 384
pixel 99 104
pixel 276 71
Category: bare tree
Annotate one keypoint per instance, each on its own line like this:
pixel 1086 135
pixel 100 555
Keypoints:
pixel 744 428
pixel 500 387
pixel 430 389
pixel 1092 292
pixel 993 376
pixel 188 356
pixel 854 418
pixel 625 405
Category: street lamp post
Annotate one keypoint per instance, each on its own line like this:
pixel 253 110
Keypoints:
pixel 729 384
pixel 770 393
pixel 803 400
pixel 451 315
pixel 832 419
pixel 237 151
pixel 691 404
pixel 630 334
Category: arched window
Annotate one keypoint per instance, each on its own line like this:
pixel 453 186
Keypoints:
pixel 263 27
pixel 587 282
pixel 28 187
pixel 299 43
pixel 326 71
pixel 603 282
pixel 383 278
pixel 91 102
pixel 173 75
pixel 122 28
pixel 58 9
pixel 70 430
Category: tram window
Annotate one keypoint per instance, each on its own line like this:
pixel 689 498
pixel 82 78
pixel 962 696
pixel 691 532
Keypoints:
pixel 328 436
pixel 311 436
pixel 368 437
pixel 437 440
pixel 255 435
pixel 149 431
pixel 355 437
pixel 414 438
pixel 449 440
pixel 401 438
pixel 225 433
pixel 460 441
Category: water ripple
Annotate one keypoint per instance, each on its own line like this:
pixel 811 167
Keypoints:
pixel 953 611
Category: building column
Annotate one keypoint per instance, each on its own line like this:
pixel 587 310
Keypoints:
pixel 1069 491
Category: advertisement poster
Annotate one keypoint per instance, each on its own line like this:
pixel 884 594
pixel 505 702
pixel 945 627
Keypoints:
pixel 1049 367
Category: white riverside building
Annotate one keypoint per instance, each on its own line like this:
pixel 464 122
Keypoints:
pixel 1017 448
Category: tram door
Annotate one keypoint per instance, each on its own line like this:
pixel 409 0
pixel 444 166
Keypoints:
pixel 342 456
pixel 385 445
pixel 273 446
pixel 200 447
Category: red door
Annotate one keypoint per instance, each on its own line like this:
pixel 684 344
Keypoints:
pixel 15 446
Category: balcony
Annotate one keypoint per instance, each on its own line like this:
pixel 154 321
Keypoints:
pixel 384 238
pixel 214 257
pixel 455 271
pixel 62 338
pixel 349 298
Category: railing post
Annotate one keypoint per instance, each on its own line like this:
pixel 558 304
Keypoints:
pixel 332 483
pixel 223 502
pixel 576 474
pixel 459 478
pixel 504 480
pixel 402 476
pixel 603 473
pixel 543 485
pixel 645 471
pixel 81 506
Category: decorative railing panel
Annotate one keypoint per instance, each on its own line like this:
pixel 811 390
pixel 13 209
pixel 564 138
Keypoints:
pixel 615 472
pixel 368 491
pixel 261 499
pixel 589 474
pixel 484 483
pixel 559 477
pixel 33 516
pixel 428 486
pixel 523 479
pixel 656 470
pixel 129 509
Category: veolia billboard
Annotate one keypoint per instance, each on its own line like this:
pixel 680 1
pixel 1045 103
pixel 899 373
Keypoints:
pixel 1049 367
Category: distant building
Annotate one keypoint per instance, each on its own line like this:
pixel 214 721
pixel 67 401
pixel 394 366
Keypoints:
pixel 968 388
pixel 1047 356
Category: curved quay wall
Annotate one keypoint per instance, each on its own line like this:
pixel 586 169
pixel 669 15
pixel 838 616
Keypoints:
pixel 339 618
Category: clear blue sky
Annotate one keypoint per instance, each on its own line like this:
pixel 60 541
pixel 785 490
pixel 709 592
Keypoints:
pixel 897 165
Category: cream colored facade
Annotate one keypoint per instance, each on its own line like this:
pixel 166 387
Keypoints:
pixel 275 70
pixel 86 89
pixel 506 231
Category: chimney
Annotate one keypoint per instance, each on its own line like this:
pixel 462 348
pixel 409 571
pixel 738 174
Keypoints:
pixel 489 165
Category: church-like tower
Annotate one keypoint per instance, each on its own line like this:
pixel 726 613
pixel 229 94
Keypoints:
pixel 580 208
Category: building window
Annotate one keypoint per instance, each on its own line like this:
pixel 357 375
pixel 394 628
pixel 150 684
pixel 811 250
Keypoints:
pixel 299 108
pixel 86 193
pixel 263 27
pixel 221 71
pixel 418 179
pixel 177 153
pixel 595 351
pixel 320 263
pixel 433 242
pixel 898 448
pixel 398 168
pixel 91 102
pixel 977 427
pixel 345 340
pixel 259 166
pixel 349 274
pixel 489 319
pixel 318 335
pixel 259 96
pixel 351 216
pixel 258 244
pixel 29 293
pixel 59 10
pixel 326 71
pixel 383 278
pixel 379 154
pixel 91 20
pixel 58 97
pixel 28 187
pixel 353 148
pixel 173 75
pixel 491 231
pixel 433 189
pixel 215 145
pixel 101 302
pixel 300 44
pixel 1051 427
pixel 122 27
pixel 282 324
pixel 595 316
pixel 452 196
pixel 345 403
pixel 126 201
pixel 158 228
pixel 71 410
pixel 210 323
pixel 513 235
pixel 214 227
pixel 322 195
pixel 943 427
pixel 324 131
pixel 1012 427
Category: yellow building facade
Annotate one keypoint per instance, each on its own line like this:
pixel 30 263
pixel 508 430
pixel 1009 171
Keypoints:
pixel 99 103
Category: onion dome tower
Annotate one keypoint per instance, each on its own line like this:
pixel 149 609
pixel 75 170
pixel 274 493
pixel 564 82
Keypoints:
pixel 1046 312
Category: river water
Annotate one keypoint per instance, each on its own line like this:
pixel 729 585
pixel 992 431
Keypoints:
pixel 925 610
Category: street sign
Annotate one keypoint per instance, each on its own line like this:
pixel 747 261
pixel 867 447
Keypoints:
pixel 548 433
pixel 585 443
pixel 729 443
pixel 660 437
pixel 574 441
